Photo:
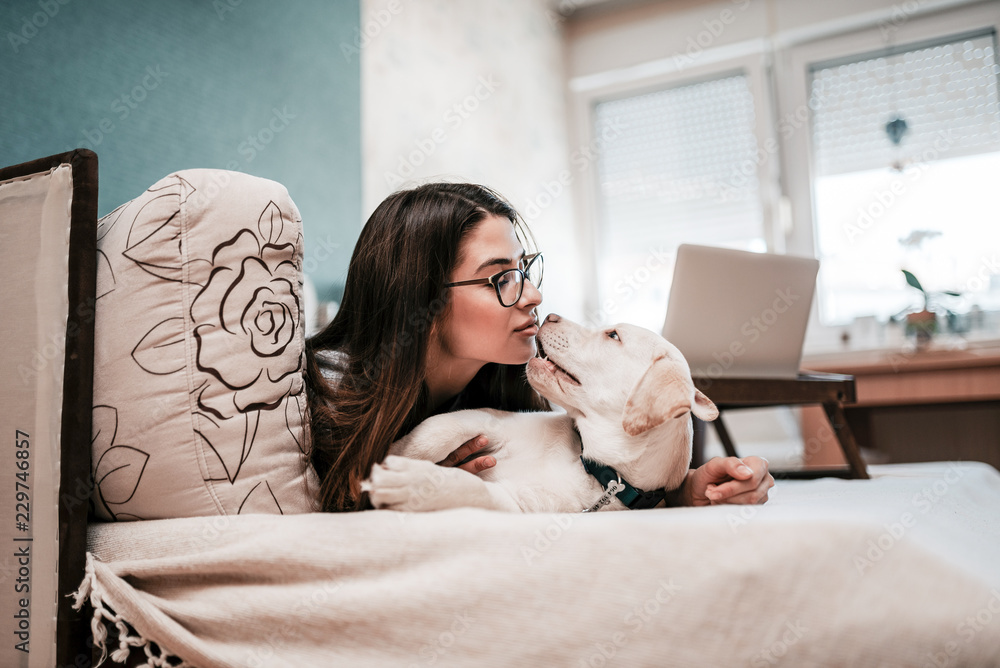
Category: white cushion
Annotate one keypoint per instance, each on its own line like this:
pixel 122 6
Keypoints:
pixel 199 401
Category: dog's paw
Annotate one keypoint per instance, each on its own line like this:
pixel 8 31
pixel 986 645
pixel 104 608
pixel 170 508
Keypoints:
pixel 401 483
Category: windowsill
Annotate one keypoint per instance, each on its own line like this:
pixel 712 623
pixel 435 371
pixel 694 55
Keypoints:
pixel 948 351
pixel 867 337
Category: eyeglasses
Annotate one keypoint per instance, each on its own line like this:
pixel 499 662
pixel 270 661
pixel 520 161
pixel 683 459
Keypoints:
pixel 509 283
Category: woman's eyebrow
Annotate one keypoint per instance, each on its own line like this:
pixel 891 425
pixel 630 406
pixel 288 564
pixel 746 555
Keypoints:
pixel 499 262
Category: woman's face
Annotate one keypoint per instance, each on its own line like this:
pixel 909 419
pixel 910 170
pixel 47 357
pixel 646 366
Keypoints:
pixel 476 328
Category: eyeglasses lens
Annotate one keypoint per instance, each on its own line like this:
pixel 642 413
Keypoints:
pixel 511 282
pixel 534 271
pixel 510 287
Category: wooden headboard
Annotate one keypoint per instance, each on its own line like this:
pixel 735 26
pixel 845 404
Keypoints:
pixel 48 224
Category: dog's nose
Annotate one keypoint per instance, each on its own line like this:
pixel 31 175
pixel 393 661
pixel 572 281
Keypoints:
pixel 552 317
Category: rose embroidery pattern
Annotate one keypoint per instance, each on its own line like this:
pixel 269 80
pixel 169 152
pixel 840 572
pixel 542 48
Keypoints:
pixel 154 239
pixel 247 334
pixel 248 305
pixel 117 468
pixel 201 352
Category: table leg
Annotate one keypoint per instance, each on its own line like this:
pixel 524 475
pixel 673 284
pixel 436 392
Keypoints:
pixel 697 442
pixel 727 442
pixel 838 420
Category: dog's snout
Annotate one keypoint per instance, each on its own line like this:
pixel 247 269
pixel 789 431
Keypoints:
pixel 553 317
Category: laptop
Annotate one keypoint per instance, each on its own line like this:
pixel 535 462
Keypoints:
pixel 736 314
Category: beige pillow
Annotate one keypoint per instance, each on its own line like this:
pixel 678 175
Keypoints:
pixel 199 402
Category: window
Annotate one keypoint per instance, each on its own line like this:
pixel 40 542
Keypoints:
pixel 926 204
pixel 680 166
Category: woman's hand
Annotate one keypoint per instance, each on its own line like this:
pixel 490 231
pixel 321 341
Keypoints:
pixel 476 465
pixel 727 480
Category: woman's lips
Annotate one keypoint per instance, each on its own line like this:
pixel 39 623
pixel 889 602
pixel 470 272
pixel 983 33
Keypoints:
pixel 529 329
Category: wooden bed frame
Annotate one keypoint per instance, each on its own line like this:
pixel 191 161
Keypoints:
pixel 73 638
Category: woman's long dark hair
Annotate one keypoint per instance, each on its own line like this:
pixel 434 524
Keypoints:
pixel 377 343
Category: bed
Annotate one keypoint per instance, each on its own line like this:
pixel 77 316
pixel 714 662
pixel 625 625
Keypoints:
pixel 203 545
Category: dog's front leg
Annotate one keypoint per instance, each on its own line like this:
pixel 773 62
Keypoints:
pixel 401 483
pixel 438 436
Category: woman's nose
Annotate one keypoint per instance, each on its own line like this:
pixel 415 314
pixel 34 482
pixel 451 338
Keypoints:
pixel 531 294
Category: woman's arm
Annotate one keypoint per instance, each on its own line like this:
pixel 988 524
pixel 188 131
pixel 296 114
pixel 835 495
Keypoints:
pixel 724 480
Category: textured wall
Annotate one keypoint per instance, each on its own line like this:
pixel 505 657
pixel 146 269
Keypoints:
pixel 154 87
pixel 474 90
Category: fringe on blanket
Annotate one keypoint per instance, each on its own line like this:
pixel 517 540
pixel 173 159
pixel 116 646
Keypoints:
pixel 90 591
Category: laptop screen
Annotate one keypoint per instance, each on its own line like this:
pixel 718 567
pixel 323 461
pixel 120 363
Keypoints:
pixel 736 314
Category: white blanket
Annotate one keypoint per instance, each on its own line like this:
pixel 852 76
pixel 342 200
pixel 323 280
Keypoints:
pixel 902 570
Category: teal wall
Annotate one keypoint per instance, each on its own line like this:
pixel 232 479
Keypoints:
pixel 152 87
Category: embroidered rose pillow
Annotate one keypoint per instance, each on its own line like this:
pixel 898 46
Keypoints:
pixel 199 403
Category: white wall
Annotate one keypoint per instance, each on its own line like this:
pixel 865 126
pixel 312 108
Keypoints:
pixel 473 90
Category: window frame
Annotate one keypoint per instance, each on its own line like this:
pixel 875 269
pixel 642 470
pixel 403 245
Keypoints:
pixel 750 58
pixel 793 68
pixel 778 67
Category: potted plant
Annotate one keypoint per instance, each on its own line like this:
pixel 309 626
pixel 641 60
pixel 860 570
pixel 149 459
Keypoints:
pixel 923 324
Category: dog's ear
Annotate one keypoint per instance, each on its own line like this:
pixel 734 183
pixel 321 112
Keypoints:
pixel 658 396
pixel 704 408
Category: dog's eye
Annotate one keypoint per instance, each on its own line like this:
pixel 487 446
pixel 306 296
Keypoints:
pixel 613 335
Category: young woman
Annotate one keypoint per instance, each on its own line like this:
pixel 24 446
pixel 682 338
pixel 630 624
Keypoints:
pixel 438 314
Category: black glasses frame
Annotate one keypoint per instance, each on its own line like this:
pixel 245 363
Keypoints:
pixel 494 280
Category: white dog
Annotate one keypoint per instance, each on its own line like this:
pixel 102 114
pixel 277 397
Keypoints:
pixel 625 436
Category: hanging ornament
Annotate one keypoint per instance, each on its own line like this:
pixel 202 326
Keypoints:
pixel 896 128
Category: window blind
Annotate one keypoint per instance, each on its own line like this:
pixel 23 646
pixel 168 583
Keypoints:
pixel 680 166
pixel 946 92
